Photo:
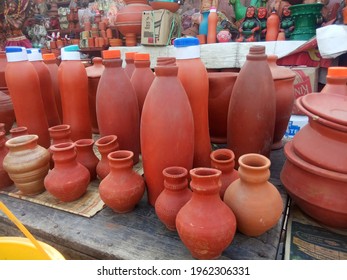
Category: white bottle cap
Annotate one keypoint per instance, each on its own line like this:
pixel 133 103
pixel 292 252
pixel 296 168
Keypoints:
pixel 34 54
pixel 70 53
pixel 14 54
pixel 187 48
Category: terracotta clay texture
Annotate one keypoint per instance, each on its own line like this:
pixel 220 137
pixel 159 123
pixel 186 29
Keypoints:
pixel 5 180
pixel 336 81
pixel 105 145
pixel 7 115
pixel 86 156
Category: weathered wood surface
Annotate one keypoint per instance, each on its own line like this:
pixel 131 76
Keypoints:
pixel 220 55
pixel 135 235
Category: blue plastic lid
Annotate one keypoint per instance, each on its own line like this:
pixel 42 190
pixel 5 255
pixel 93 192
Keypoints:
pixel 34 54
pixel 186 42
pixel 14 53
pixel 72 48
pixel 70 53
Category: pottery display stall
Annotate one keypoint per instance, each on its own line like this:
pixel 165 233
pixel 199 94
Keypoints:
pixel 315 170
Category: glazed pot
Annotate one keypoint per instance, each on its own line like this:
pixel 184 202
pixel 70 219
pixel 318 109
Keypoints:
pixel 256 203
pixel 69 179
pixel 205 224
pixel 105 145
pixel 174 196
pixel 122 188
pixel 27 163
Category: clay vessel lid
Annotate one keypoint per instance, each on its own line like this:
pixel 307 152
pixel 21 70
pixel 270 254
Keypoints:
pixel 331 107
pixel 279 72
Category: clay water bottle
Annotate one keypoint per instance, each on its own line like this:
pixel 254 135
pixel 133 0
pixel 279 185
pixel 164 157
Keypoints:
pixel 21 76
pixel 193 76
pixel 272 26
pixel 336 81
pixel 252 107
pixel 73 85
pixel 167 127
pixel 142 77
pixel 51 61
pixel 46 85
pixel 117 109
pixel 94 73
pixel 129 63
pixel 212 26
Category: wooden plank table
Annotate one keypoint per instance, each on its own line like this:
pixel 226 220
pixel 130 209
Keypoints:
pixel 135 235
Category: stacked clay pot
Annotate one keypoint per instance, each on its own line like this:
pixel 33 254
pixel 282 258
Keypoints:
pixel 315 170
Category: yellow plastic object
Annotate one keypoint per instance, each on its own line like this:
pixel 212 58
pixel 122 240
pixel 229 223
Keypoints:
pixel 20 248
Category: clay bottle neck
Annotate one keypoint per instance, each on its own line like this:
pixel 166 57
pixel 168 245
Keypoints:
pixel 256 53
pixel 142 63
pixel 254 168
pixel 113 63
pixel 337 81
pixel 205 181
pixel 65 157
pixel 121 160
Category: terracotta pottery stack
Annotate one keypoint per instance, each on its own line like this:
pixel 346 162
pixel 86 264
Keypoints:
pixel 315 171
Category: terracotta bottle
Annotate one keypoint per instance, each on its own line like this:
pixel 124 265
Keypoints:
pixel 167 127
pixel 224 160
pixel 272 26
pixel 72 77
pixel 117 108
pixel 220 88
pixel 94 73
pixel 7 115
pixel 193 76
pixel 18 131
pixel 122 188
pixel 336 81
pixel 51 61
pixel 86 156
pixel 256 203
pixel 283 79
pixel 27 163
pixel 29 107
pixel 46 86
pixel 252 107
pixel 196 232
pixel 105 145
pixel 129 63
pixel 5 180
pixel 212 21
pixel 142 77
pixel 174 196
pixel 69 179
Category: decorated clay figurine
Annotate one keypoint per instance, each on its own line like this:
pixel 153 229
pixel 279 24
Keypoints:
pixel 262 17
pixel 250 27
pixel 287 22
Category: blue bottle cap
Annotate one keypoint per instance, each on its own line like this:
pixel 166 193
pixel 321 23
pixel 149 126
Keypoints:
pixel 186 42
pixel 14 54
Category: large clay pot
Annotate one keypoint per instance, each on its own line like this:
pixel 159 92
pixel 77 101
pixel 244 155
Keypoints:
pixel 27 163
pixel 220 88
pixel 336 81
pixel 205 224
pixel 5 180
pixel 224 160
pixel 284 91
pixel 69 179
pixel 122 188
pixel 174 196
pixel 94 73
pixel 167 127
pixel 105 145
pixel 129 18
pixel 86 156
pixel 6 111
pixel 256 203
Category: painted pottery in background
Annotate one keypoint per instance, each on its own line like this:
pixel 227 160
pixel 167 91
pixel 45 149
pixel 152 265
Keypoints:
pixel 284 89
pixel 122 188
pixel 336 81
pixel 256 203
pixel 6 111
pixel 205 224
pixel 224 36
pixel 193 76
pixel 167 127
pixel 5 180
pixel 224 160
pixel 46 86
pixel 142 77
pixel 212 21
pixel 117 108
pixel 86 156
pixel 220 88
pixel 129 17
pixel 252 107
pixel 203 26
pixel 72 77
pixel 272 26
pixel 129 63
pixel 174 196
pixel 27 163
pixel 130 40
pixel 105 145
pixel 94 73
pixel 28 107
pixel 18 131
pixel 69 179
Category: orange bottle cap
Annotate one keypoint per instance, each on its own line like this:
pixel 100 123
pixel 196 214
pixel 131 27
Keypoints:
pixel 337 71
pixel 48 56
pixel 142 56
pixel 110 54
pixel 130 55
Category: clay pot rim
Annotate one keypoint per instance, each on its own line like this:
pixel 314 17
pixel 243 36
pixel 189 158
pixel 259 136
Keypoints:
pixel 21 140
pixel 62 146
pixel 204 172
pixel 106 140
pixel 18 129
pixel 59 127
pixel 254 161
pixel 120 155
pixel 227 154
pixel 175 172
pixel 84 142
